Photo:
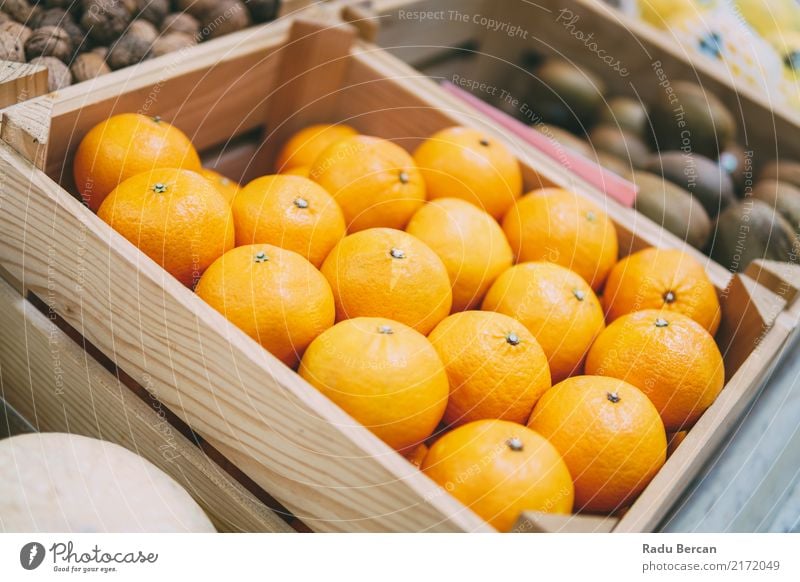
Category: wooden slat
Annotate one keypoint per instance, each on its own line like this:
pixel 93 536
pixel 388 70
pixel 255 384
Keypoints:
pixel 538 522
pixel 714 426
pixel 280 431
pixel 214 92
pixel 312 69
pixel 26 128
pixel 50 380
pixel 21 81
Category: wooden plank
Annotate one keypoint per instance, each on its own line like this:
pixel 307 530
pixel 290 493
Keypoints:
pixel 538 522
pixel 11 422
pixel 213 92
pixel 55 383
pixel 312 69
pixel 26 128
pixel 783 279
pixel 21 81
pixel 703 440
pixel 262 416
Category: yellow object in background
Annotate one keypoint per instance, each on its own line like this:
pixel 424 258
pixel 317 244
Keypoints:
pixel 659 12
pixel 767 17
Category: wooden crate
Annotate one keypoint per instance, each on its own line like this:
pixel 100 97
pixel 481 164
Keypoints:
pixel 330 472
pixel 496 57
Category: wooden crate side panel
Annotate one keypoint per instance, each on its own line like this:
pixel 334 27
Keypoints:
pixel 280 431
pixel 21 81
pixel 214 92
pixel 55 384
pixel 703 440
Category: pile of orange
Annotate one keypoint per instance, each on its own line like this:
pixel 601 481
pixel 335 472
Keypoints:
pixel 423 292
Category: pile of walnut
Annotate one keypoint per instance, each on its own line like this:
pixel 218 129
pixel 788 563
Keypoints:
pixel 79 40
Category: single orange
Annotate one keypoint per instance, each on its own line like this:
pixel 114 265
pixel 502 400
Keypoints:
pixel 176 217
pixel 558 307
pixel 306 145
pixel 561 227
pixel 668 356
pixel 227 187
pixel 291 212
pixel 470 243
pixel 495 367
pixel 374 181
pixel 123 146
pixel 384 374
pixel 275 296
pixel 662 279
pixel 500 469
pixel 462 162
pixel 609 434
pixel 302 171
pixel 383 272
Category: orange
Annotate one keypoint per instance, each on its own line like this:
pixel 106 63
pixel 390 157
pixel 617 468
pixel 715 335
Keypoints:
pixel 383 272
pixel 416 455
pixel 674 440
pixel 291 212
pixel 662 279
pixel 609 434
pixel 469 242
pixel 461 162
pixel 374 181
pixel 495 367
pixel 499 469
pixel 176 217
pixel 556 305
pixel 297 171
pixel 306 145
pixel 561 227
pixel 384 374
pixel 275 296
pixel 668 356
pixel 125 145
pixel 227 187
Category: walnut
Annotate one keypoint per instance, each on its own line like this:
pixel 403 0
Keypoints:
pixel 174 41
pixel 180 22
pixel 58 17
pixel 263 10
pixel 227 16
pixel 105 20
pixel 152 10
pixel 12 41
pixel 144 30
pixel 58 75
pixel 128 50
pixel 88 66
pixel 197 8
pixel 72 6
pixel 101 51
pixel 49 41
pixel 21 10
pixel 4 17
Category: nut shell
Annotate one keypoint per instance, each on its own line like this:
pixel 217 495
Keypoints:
pixel 12 41
pixel 128 50
pixel 174 41
pixel 224 18
pixel 49 41
pixel 58 74
pixel 21 11
pixel 197 8
pixel 88 66
pixel 105 20
pixel 263 10
pixel 182 22
pixel 144 30
pixel 152 11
